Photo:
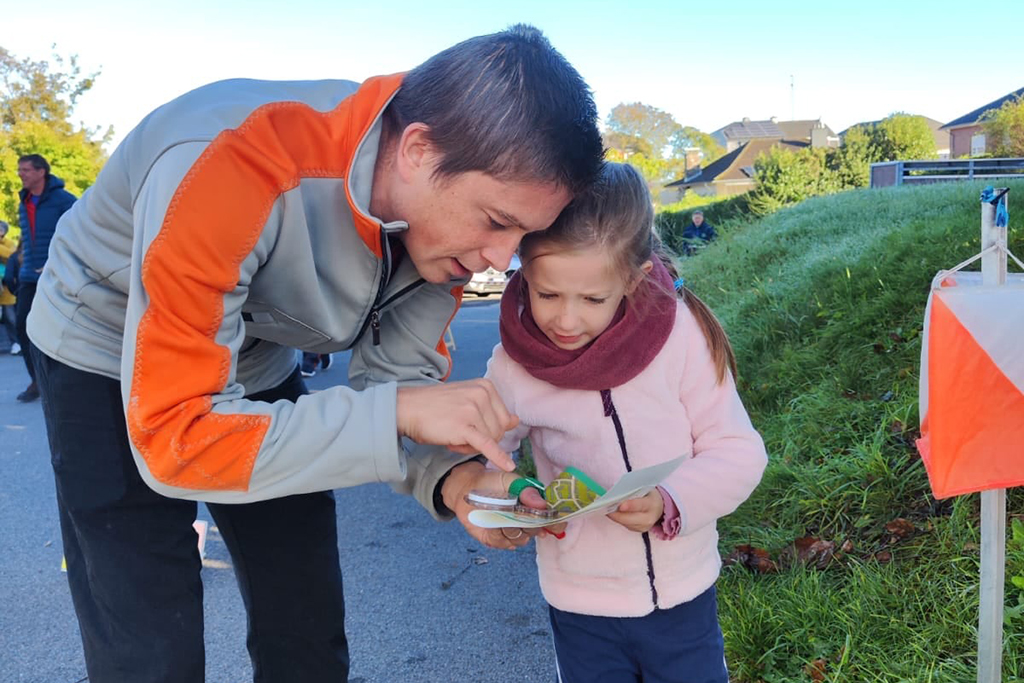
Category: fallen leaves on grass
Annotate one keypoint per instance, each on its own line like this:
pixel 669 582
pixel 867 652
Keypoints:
pixel 809 551
pixel 814 552
pixel 882 556
pixel 755 559
pixel 819 553
pixel 900 528
pixel 816 670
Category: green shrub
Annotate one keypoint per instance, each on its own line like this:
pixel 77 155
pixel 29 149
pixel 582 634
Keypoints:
pixel 786 177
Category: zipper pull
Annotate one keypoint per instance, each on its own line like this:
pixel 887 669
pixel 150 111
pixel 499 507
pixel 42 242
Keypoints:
pixel 375 326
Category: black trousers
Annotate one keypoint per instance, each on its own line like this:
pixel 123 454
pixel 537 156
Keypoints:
pixel 133 563
pixel 26 293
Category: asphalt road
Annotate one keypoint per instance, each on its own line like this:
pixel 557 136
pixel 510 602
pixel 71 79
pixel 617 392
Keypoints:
pixel 425 602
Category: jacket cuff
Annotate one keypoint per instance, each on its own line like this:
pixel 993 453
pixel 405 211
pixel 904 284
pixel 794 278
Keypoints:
pixel 671 522
pixel 427 467
pixel 389 459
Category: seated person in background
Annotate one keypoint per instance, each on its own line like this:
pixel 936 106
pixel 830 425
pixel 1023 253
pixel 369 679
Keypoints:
pixel 698 229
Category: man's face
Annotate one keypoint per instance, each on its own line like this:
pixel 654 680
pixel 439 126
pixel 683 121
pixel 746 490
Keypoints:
pixel 698 218
pixel 473 221
pixel 32 178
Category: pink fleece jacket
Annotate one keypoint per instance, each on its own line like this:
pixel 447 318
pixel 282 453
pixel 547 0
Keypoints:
pixel 673 407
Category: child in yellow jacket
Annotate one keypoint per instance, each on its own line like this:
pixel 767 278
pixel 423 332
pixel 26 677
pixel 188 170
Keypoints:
pixel 8 245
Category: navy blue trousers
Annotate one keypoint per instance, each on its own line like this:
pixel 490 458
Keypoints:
pixel 678 645
pixel 133 562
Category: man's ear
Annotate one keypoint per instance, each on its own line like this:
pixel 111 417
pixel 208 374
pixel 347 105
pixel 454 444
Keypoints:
pixel 645 270
pixel 414 153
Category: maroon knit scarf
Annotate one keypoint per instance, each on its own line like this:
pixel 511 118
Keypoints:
pixel 632 340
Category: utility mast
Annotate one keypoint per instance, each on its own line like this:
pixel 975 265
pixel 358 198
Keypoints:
pixel 792 99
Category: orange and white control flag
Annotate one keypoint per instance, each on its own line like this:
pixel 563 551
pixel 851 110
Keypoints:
pixel 972 384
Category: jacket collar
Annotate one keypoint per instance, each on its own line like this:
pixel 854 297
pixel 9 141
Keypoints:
pixel 367 108
pixel 52 183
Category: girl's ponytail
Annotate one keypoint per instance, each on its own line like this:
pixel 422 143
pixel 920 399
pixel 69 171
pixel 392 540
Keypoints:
pixel 714 333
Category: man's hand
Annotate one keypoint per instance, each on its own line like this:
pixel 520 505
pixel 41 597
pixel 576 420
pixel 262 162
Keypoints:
pixel 465 417
pixel 473 475
pixel 640 514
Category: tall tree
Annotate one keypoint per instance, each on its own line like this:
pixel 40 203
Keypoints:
pixel 903 136
pixel 1004 129
pixel 627 144
pixel 898 136
pixel 688 137
pixel 37 100
pixel 852 161
pixel 656 170
pixel 654 142
pixel 638 120
pixel 787 177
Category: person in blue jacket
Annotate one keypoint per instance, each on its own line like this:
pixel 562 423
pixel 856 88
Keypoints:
pixel 697 234
pixel 42 201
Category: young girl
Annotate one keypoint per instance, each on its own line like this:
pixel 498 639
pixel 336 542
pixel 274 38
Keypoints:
pixel 609 371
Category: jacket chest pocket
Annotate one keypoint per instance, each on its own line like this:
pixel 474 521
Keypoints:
pixel 271 324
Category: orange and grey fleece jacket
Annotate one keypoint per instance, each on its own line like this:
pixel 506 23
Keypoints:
pixel 231 227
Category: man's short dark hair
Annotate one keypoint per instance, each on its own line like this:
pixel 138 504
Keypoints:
pixel 507 104
pixel 37 162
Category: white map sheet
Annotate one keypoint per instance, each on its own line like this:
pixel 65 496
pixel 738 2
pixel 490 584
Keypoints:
pixel 631 485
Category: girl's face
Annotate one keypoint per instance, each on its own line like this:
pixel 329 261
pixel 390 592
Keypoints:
pixel 575 294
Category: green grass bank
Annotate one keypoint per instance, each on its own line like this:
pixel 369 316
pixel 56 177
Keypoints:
pixel 842 566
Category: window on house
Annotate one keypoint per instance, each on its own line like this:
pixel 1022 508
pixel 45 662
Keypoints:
pixel 977 144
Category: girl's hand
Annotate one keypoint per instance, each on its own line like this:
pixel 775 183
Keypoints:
pixel 640 514
pixel 531 497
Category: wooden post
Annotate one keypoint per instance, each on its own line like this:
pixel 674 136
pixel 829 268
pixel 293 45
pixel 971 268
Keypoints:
pixel 993 503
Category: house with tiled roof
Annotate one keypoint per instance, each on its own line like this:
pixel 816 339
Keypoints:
pixel 744 141
pixel 728 175
pixel 966 137
pixel 812 131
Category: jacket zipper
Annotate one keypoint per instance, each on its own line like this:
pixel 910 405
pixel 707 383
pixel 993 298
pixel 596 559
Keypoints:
pixel 373 320
pixel 385 276
pixel 609 411
pixel 375 313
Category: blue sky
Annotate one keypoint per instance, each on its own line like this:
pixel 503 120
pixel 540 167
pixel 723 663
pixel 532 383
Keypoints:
pixel 706 63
